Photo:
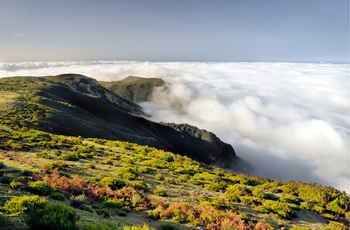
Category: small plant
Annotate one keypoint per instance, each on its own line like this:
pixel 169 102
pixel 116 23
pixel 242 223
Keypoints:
pixel 115 203
pixel 103 212
pixel 78 201
pixel 159 177
pixel 57 196
pixel 170 180
pixel 136 200
pixel 56 216
pixel 112 182
pixel 138 227
pixel 19 204
pixel 154 214
pixel 16 184
pixel 183 178
pixel 69 156
pixel 55 165
pixel 90 166
pixel 87 208
pixel 43 155
pixel 160 192
pixel 120 212
pixel 138 184
pixel 40 188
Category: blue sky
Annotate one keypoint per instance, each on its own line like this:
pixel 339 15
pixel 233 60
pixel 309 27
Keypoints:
pixel 174 30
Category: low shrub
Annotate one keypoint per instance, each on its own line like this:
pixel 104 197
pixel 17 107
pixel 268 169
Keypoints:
pixel 170 180
pixel 19 204
pixel 144 169
pixel 138 227
pixel 57 196
pixel 120 212
pixel 138 184
pixel 69 156
pixel 103 212
pixel 55 165
pixel 40 188
pixel 78 201
pixel 114 203
pixel 183 178
pixel 90 166
pixel 160 192
pixel 54 217
pixel 15 184
pixel 159 177
pixel 112 182
pixel 154 214
pixel 86 208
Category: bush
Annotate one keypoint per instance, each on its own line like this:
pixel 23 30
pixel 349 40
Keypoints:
pixel 2 165
pixel 159 177
pixel 54 165
pixel 15 184
pixel 138 184
pixel 114 203
pixel 19 204
pixel 154 214
pixel 144 169
pixel 103 212
pixel 53 217
pixel 57 196
pixel 159 192
pixel 90 166
pixel 40 188
pixel 69 156
pixel 170 180
pixel 138 227
pixel 136 200
pixel 128 173
pixel 120 212
pixel 112 182
pixel 183 178
pixel 86 208
pixel 78 201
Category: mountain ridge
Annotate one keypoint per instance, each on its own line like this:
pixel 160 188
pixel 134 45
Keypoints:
pixel 78 105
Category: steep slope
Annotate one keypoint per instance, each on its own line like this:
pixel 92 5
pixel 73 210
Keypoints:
pixel 135 89
pixel 77 105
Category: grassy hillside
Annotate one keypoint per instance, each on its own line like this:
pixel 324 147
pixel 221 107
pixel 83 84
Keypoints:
pixel 135 89
pixel 77 105
pixel 76 181
pixel 116 184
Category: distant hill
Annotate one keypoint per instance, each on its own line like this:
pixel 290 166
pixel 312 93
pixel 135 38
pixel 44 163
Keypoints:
pixel 135 89
pixel 72 104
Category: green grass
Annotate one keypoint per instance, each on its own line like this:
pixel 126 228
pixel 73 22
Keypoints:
pixel 177 193
pixel 7 101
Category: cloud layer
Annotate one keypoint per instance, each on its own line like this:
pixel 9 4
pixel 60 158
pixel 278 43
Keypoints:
pixel 290 120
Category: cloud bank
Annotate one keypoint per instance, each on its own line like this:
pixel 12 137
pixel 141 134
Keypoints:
pixel 290 120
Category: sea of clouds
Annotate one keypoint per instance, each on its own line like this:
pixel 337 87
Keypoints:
pixel 289 120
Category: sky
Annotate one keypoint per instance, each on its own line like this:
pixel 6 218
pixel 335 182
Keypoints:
pixel 181 30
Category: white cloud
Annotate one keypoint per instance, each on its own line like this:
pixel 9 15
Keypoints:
pixel 17 35
pixel 290 120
